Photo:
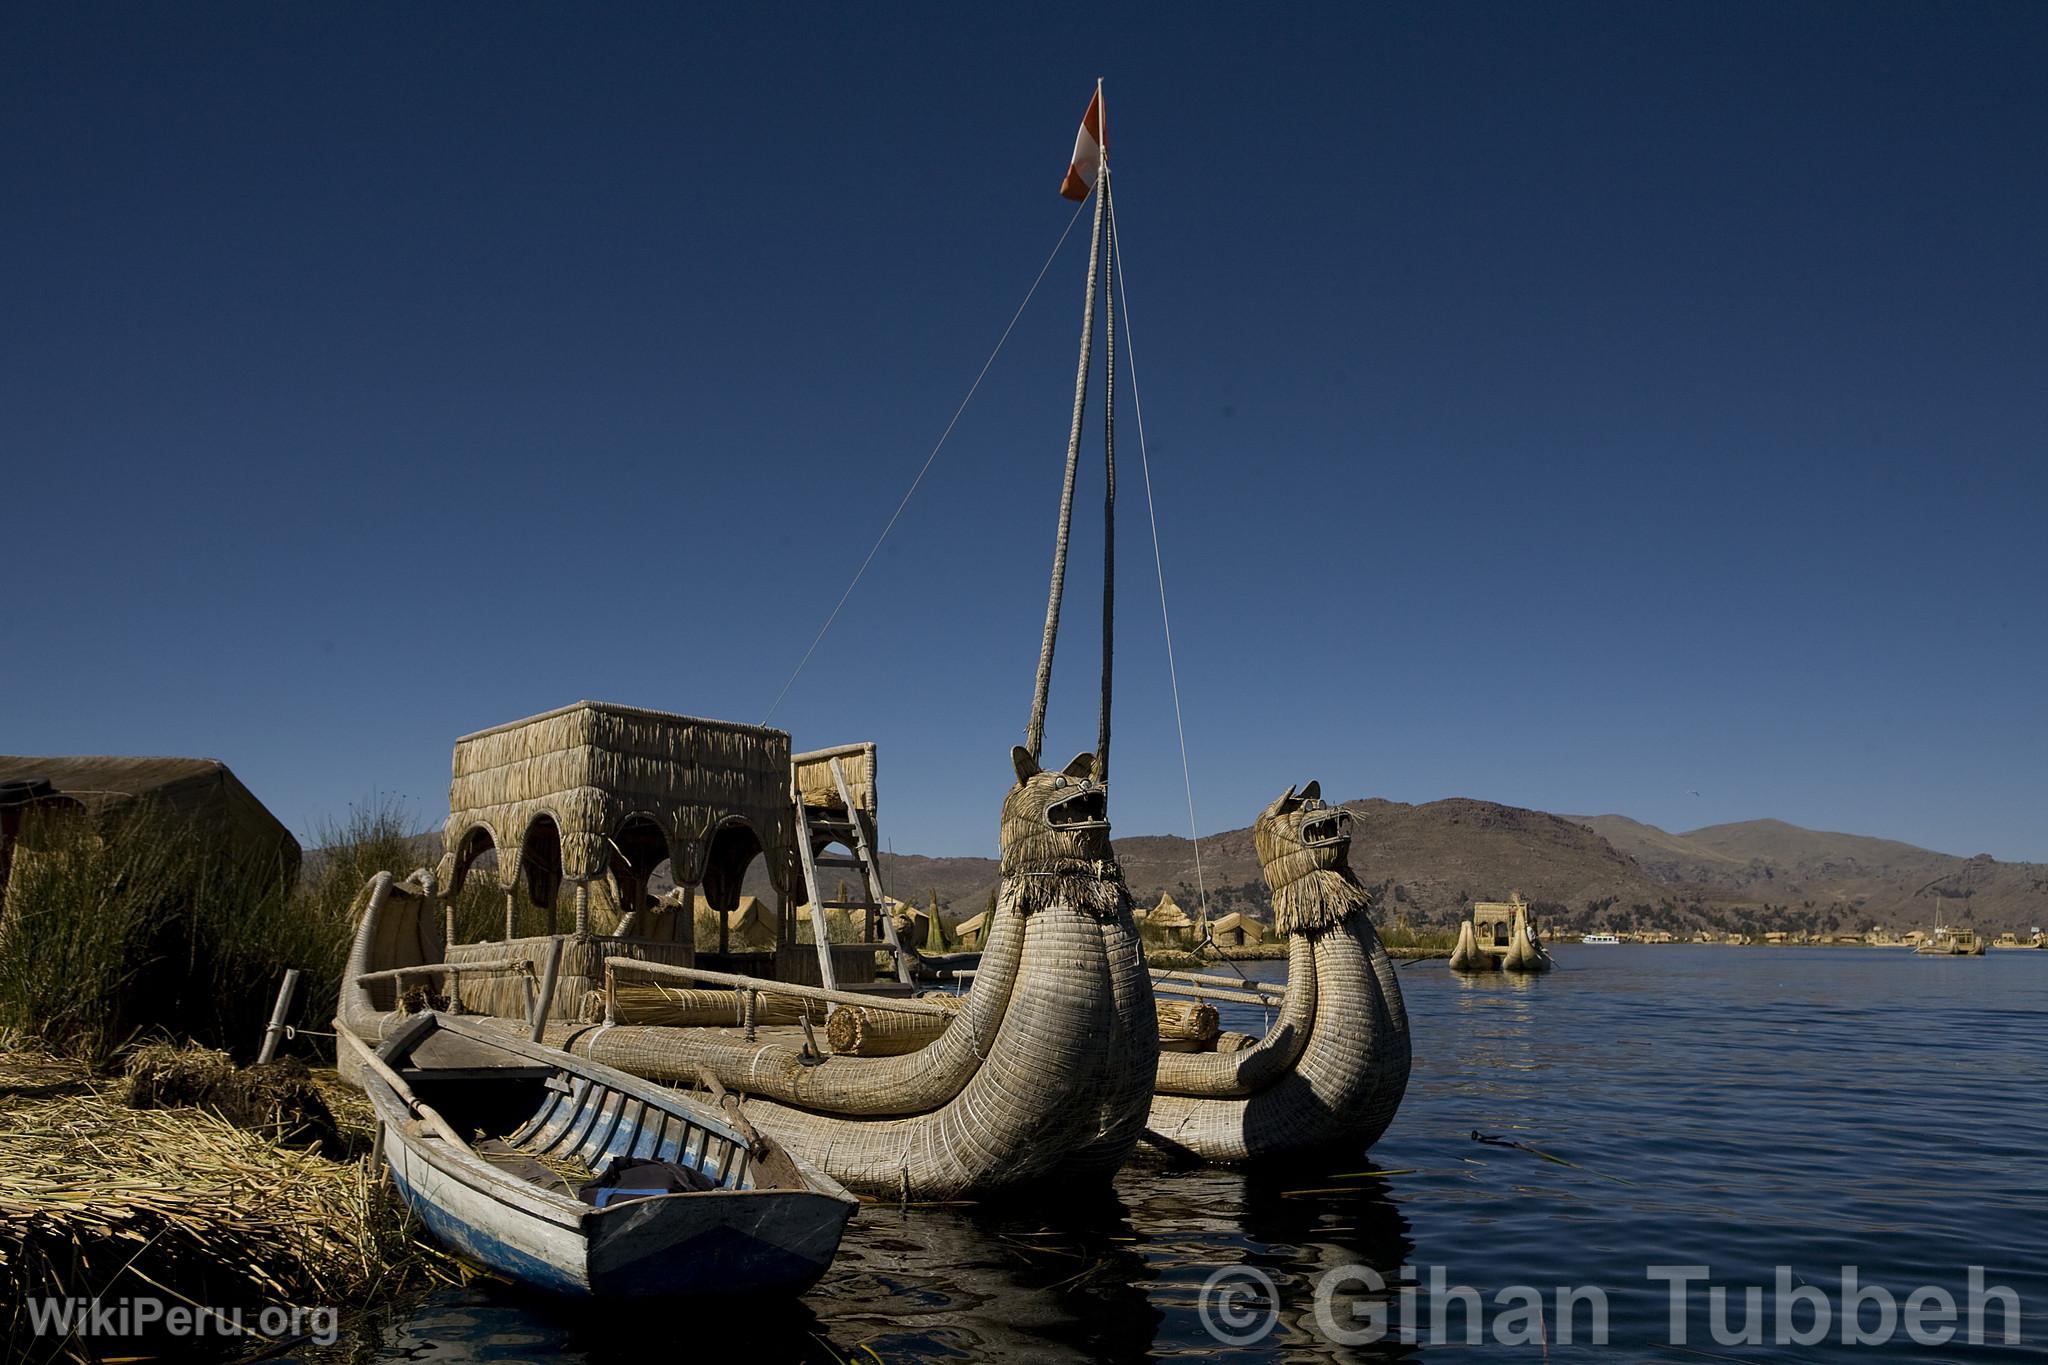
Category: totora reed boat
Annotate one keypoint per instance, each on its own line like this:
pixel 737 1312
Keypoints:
pixel 1331 1070
pixel 1500 936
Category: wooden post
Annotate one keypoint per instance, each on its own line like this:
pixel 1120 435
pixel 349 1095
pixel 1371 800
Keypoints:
pixel 538 1024
pixel 286 993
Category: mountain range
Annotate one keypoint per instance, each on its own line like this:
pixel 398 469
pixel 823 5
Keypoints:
pixel 1427 862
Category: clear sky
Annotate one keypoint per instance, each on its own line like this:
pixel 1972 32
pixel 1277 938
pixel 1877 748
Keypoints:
pixel 1631 407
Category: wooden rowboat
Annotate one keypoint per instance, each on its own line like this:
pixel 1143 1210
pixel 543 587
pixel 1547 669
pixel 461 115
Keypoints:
pixel 582 1180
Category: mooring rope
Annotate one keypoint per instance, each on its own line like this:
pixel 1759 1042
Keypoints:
pixel 926 468
pixel 1158 562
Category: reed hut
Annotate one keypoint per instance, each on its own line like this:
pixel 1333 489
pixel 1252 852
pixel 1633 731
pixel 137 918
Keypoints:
pixel 971 931
pixel 202 791
pixel 754 925
pixel 1237 930
pixel 596 792
pixel 1167 922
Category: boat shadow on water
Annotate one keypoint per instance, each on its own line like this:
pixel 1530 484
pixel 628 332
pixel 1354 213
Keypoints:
pixel 1115 1277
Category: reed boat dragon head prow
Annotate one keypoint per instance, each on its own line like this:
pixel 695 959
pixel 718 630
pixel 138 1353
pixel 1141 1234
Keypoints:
pixel 1055 837
pixel 1304 847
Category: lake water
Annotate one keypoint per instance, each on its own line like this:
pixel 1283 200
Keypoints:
pixel 1737 1109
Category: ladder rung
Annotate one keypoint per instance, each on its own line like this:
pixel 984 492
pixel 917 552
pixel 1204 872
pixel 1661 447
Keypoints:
pixel 849 905
pixel 829 823
pixel 836 861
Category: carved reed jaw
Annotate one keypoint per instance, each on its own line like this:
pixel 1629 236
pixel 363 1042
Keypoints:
pixel 1305 852
pixel 1055 838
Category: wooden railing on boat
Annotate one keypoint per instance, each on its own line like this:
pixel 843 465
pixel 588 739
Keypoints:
pixel 539 995
pixel 1237 990
pixel 751 988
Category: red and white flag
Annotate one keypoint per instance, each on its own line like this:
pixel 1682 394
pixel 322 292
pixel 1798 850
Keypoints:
pixel 1087 163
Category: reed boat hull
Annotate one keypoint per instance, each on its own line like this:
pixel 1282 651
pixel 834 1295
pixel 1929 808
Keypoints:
pixel 1327 1076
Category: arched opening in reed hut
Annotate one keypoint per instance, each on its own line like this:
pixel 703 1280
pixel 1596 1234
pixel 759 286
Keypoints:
pixel 635 850
pixel 540 863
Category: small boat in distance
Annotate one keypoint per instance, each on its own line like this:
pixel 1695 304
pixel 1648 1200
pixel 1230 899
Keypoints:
pixel 1603 940
pixel 1949 941
pixel 582 1180
pixel 1500 936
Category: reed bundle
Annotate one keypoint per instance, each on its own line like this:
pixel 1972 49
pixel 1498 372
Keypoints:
pixel 649 1002
pixel 870 1031
pixel 1187 1022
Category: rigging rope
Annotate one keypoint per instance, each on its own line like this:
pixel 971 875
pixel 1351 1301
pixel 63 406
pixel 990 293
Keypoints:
pixel 926 468
pixel 1158 564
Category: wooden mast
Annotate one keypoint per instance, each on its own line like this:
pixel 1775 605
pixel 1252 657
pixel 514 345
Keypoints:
pixel 1034 733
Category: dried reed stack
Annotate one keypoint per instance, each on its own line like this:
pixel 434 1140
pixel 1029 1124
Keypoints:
pixel 97 1198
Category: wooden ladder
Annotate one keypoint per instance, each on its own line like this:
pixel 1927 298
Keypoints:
pixel 809 830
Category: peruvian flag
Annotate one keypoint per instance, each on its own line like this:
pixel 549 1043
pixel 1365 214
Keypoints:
pixel 1087 162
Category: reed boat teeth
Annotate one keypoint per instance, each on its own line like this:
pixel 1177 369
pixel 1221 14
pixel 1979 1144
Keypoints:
pixel 1085 809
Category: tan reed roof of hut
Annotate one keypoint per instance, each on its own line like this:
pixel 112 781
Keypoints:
pixel 594 767
pixel 203 789
pixel 1168 914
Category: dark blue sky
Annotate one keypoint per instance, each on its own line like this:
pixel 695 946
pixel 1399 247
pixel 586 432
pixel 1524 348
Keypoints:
pixel 1579 406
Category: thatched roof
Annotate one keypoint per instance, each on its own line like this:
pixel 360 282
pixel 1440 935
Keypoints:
pixel 1167 914
pixel 202 789
pixel 603 785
